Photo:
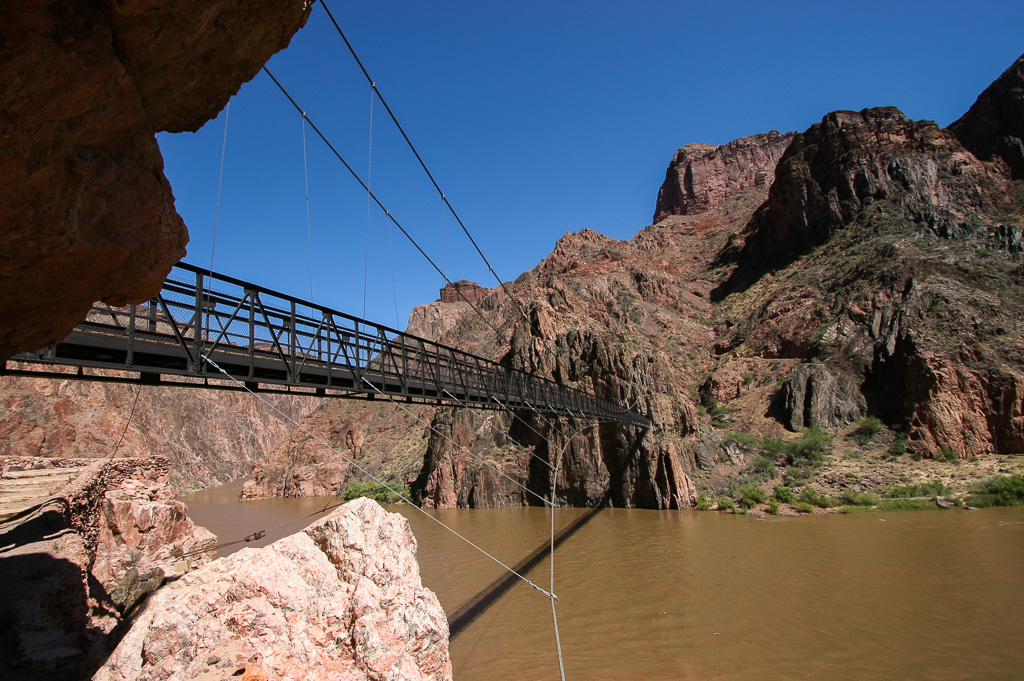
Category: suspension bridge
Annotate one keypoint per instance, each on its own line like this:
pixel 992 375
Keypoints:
pixel 206 330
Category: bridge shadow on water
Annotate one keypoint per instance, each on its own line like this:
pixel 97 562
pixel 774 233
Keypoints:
pixel 473 608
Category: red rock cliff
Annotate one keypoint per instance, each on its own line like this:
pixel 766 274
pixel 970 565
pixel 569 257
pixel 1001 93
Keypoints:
pixel 701 176
pixel 86 213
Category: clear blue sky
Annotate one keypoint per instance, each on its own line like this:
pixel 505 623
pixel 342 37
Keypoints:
pixel 537 118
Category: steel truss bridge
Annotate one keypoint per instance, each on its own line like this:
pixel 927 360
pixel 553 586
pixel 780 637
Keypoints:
pixel 206 330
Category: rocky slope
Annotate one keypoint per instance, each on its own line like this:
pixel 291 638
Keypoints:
pixel 890 255
pixel 340 600
pixel 209 436
pixel 869 266
pixel 994 127
pixel 86 213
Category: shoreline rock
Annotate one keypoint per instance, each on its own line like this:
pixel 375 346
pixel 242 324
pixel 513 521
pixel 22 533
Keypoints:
pixel 74 568
pixel 340 600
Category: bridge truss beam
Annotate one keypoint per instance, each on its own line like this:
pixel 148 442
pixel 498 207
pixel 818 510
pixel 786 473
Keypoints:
pixel 271 342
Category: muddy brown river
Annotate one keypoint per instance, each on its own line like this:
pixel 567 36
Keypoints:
pixel 646 595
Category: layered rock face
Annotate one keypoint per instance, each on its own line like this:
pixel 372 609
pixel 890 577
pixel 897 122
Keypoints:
pixel 994 126
pixel 592 309
pixel 86 213
pixel 462 291
pixel 208 435
pixel 702 176
pixel 387 441
pixel 340 600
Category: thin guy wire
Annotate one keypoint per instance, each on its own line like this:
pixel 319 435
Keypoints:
pixel 365 472
pixel 460 447
pixel 309 234
pixel 554 483
pixel 394 284
pixel 220 183
pixel 420 159
pixel 369 178
pixel 128 422
pixel 387 213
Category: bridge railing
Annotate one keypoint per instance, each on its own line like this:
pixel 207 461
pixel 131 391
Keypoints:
pixel 265 338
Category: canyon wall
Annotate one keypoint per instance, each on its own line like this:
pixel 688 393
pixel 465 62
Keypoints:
pixel 209 436
pixel 702 176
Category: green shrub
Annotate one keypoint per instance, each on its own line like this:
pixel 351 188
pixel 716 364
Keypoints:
pixel 773 506
pixel 896 449
pixel 811 496
pixel 933 488
pixel 1004 490
pixel 811 446
pixel 803 507
pixel 867 428
pixel 903 491
pixel 373 490
pixel 858 498
pixel 745 439
pixel 949 454
pixel 800 474
pixel 774 445
pixel 765 465
pixel 784 494
pixel 750 496
pixel 726 504
pixel 703 503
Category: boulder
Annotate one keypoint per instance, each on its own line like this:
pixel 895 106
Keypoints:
pixel 340 600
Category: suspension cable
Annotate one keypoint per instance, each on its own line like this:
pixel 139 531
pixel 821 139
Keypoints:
pixel 420 159
pixel 376 200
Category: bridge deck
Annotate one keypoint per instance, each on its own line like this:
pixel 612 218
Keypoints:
pixel 273 342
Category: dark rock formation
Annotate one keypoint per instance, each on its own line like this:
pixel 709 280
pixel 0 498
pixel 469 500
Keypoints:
pixel 994 126
pixel 814 395
pixel 701 176
pixel 912 172
pixel 86 213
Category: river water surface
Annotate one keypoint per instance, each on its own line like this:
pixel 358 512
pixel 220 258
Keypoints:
pixel 646 595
